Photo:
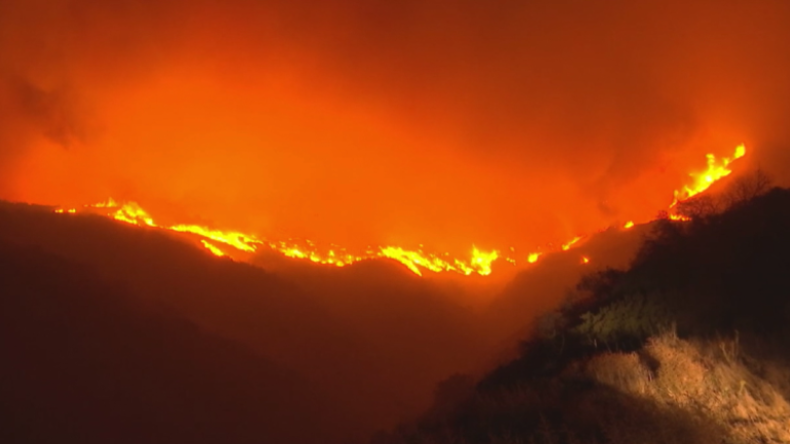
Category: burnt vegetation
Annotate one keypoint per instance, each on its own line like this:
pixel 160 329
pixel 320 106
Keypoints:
pixel 687 345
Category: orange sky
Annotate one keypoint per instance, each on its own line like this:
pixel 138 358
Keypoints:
pixel 502 123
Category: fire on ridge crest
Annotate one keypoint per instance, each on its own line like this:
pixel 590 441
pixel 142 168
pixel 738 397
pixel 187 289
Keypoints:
pixel 714 172
pixel 480 262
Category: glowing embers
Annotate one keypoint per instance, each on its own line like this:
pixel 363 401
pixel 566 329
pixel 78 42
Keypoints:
pixel 715 171
pixel 307 250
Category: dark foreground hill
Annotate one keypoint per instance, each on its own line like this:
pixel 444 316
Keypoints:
pixel 85 361
pixel 690 344
pixel 369 341
pixel 372 340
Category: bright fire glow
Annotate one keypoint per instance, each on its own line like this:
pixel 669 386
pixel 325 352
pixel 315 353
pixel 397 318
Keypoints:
pixel 414 260
pixel 566 246
pixel 716 170
pixel 214 250
pixel 240 241
pixel 481 261
pixel 131 213
pixel 417 261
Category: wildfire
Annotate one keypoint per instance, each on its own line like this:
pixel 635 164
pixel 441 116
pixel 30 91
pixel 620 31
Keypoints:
pixel 481 261
pixel 417 261
pixel 715 171
pixel 240 241
pixel 679 217
pixel 567 246
pixel 131 213
pixel 212 248
pixel 307 250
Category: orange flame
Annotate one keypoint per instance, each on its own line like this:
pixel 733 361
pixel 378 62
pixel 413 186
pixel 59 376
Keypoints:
pixel 679 218
pixel 566 246
pixel 715 171
pixel 240 241
pixel 131 213
pixel 214 250
pixel 480 262
pixel 414 260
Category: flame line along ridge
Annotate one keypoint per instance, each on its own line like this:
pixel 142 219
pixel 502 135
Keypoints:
pixel 415 260
pixel 714 172
pixel 131 213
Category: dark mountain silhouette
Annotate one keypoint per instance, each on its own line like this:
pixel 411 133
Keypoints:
pixel 86 361
pixel 372 338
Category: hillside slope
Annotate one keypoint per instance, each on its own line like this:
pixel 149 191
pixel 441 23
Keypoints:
pixel 372 338
pixel 84 361
pixel 688 345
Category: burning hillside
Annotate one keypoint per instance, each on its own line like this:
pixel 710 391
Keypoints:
pixel 372 194
pixel 223 242
pixel 381 125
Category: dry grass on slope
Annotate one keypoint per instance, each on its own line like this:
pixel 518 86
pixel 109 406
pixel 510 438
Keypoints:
pixel 670 391
pixel 746 396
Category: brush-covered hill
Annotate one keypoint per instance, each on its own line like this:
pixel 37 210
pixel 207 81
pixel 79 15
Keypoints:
pixel 689 344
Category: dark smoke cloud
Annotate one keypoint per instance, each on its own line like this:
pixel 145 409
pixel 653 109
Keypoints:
pixel 52 113
pixel 501 123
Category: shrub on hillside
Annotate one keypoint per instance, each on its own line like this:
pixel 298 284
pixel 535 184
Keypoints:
pixel 627 322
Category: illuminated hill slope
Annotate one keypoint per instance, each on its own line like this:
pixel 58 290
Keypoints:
pixel 689 344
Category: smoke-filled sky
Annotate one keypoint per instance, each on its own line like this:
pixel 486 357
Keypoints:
pixel 499 123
